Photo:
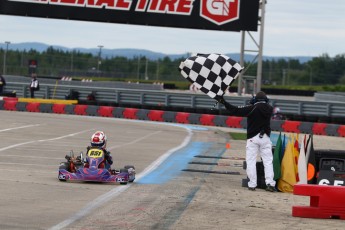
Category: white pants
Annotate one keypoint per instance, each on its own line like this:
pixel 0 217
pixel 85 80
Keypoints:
pixel 263 146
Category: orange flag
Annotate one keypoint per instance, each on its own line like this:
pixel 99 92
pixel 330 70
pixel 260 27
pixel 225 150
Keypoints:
pixel 296 154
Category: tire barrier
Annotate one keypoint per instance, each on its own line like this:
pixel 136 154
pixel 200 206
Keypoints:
pixel 291 126
pixel 12 104
pixel 182 117
pixel 105 111
pixel 33 107
pixel 207 119
pixel 80 109
pixel 59 108
pixel 130 113
pixel 235 122
pixel 156 115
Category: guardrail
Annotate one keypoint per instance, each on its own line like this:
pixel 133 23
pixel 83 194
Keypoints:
pixel 13 104
pixel 156 99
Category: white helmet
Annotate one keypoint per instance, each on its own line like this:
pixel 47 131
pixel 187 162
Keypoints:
pixel 99 139
pixel 276 110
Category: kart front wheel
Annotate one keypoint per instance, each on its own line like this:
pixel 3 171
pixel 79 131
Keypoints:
pixel 131 172
pixel 124 171
pixel 129 166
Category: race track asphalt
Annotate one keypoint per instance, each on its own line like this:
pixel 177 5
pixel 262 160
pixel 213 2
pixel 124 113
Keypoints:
pixel 33 145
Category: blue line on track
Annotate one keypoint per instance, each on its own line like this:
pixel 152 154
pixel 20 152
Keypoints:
pixel 173 165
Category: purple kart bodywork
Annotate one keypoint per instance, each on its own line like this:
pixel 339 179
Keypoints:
pixel 94 173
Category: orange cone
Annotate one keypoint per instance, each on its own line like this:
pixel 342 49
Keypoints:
pixel 227 145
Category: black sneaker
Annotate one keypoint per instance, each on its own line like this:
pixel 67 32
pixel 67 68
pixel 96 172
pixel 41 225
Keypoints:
pixel 270 188
pixel 251 189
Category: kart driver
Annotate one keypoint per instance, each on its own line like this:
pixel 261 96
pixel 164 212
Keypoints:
pixel 99 140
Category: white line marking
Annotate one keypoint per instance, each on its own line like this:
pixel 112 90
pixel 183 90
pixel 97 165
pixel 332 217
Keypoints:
pixel 51 139
pixel 35 157
pixel 21 127
pixel 16 145
pixel 40 165
pixel 101 200
pixel 31 171
pixel 135 141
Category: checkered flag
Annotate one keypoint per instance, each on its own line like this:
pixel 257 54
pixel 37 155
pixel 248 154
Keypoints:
pixel 211 73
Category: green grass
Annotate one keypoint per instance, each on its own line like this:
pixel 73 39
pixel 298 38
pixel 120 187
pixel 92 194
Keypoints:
pixel 238 136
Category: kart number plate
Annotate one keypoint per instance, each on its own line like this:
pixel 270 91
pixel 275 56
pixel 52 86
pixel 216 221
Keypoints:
pixel 95 153
pixel 120 179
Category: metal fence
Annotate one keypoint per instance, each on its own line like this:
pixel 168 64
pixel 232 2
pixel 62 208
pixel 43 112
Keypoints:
pixel 143 97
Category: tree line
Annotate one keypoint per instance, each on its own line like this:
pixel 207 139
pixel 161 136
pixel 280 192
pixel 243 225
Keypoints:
pixel 322 70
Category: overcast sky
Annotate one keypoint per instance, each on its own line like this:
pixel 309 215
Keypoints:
pixel 292 28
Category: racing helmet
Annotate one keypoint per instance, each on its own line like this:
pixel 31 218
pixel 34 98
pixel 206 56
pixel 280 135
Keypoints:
pixel 259 97
pixel 99 139
pixel 276 110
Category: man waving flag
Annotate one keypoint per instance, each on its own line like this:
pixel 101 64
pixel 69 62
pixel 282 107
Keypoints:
pixel 210 73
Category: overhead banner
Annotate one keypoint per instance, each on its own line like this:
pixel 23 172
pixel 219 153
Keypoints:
pixel 227 15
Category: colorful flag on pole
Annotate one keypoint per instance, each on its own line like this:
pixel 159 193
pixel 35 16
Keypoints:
pixel 296 154
pixel 311 168
pixel 288 172
pixel 307 150
pixel 283 148
pixel 276 158
pixel 302 166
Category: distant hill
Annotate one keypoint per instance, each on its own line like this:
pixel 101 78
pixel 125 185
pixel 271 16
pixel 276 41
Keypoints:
pixel 133 53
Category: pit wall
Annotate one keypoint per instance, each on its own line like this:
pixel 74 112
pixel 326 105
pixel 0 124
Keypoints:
pixel 39 106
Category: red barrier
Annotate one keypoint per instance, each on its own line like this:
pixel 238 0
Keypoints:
pixel 80 109
pixel 319 128
pixel 156 115
pixel 182 117
pixel 341 131
pixel 234 122
pixel 10 105
pixel 105 111
pixel 59 108
pixel 325 201
pixel 207 119
pixel 291 126
pixel 33 107
pixel 10 99
pixel 130 113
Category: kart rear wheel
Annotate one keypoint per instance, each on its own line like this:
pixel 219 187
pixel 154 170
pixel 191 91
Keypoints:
pixel 64 165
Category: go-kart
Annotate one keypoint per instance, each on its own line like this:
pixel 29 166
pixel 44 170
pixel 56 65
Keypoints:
pixel 92 168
